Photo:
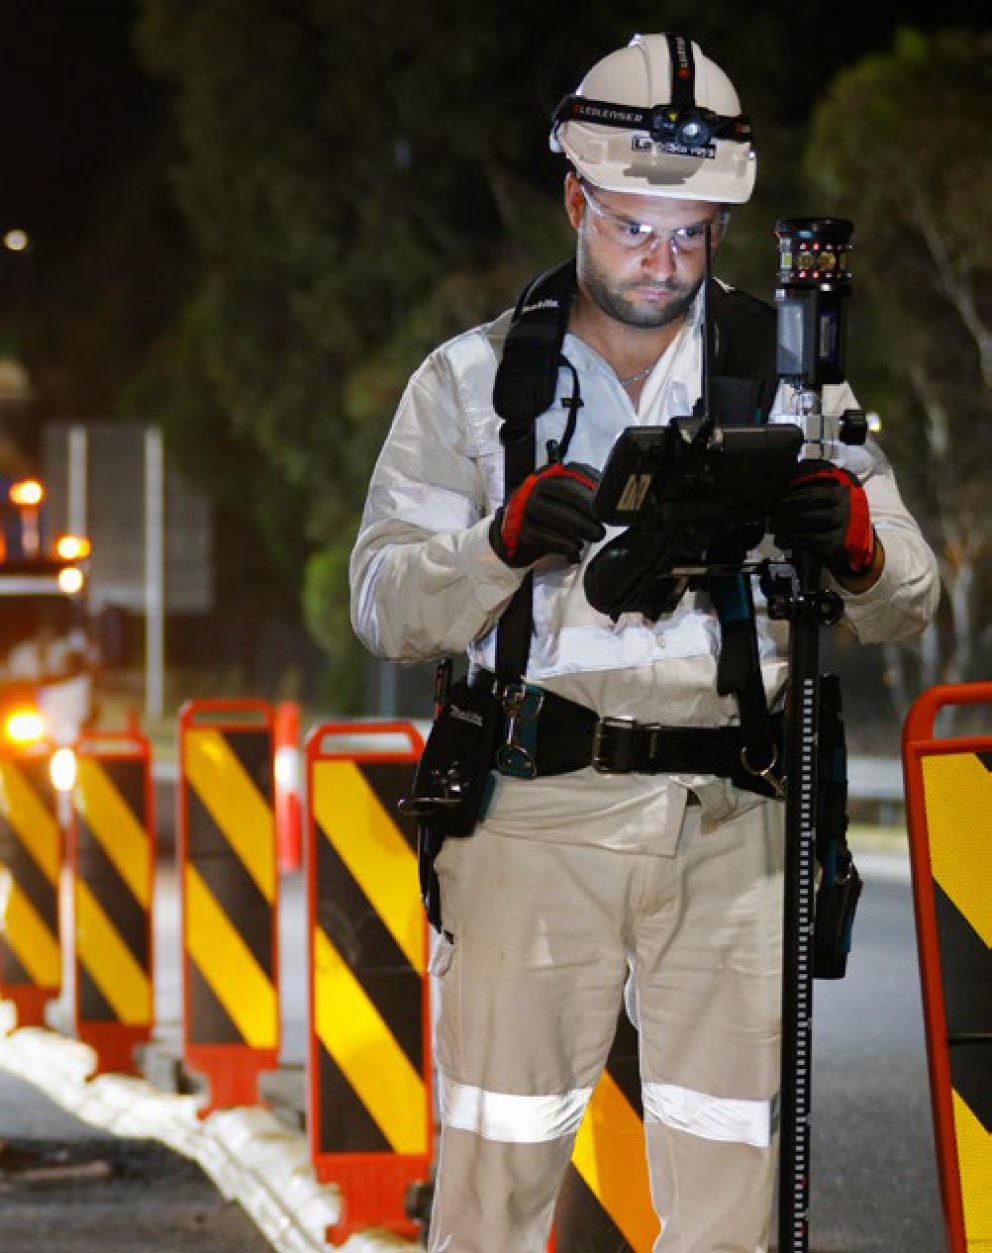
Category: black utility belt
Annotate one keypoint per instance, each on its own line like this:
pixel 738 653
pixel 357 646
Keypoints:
pixel 546 734
pixel 526 732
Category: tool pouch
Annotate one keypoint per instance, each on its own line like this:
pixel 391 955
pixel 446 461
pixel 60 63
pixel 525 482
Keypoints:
pixel 454 781
pixel 840 884
pixel 836 902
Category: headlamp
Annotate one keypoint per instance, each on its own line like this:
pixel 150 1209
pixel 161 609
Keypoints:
pixel 672 125
pixel 694 132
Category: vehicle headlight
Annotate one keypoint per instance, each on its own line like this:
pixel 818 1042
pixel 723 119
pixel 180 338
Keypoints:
pixel 62 769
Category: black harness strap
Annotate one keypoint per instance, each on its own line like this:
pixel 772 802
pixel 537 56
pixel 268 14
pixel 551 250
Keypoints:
pixel 742 349
pixel 742 333
pixel 527 377
pixel 526 383
pixel 742 389
pixel 739 672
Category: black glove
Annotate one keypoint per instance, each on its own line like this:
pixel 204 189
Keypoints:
pixel 825 511
pixel 549 513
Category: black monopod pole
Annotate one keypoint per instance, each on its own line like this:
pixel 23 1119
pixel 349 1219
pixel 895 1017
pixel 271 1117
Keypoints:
pixel 814 281
pixel 797 936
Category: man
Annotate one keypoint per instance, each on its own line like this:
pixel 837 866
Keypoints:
pixel 576 884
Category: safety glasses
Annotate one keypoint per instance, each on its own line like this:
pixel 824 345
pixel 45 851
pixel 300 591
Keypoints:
pixel 627 233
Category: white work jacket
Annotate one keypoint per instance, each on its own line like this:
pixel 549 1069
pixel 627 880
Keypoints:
pixel 426 582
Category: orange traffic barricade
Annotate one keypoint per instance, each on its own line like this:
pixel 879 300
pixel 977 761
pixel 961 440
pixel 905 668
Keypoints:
pixel 112 857
pixel 288 785
pixel 605 1199
pixel 230 896
pixel 31 851
pixel 370 1101
pixel 949 810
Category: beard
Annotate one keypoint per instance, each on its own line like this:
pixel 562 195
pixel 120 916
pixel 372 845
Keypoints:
pixel 619 300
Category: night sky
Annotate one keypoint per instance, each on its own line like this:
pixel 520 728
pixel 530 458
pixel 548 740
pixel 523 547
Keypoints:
pixel 74 105
pixel 74 102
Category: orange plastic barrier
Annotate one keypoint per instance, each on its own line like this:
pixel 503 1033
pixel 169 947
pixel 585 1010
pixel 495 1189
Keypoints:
pixel 31 850
pixel 949 809
pixel 605 1199
pixel 370 1100
pixel 230 896
pixel 289 785
pixel 112 856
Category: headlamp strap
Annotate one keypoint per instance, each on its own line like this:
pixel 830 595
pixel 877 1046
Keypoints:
pixel 627 117
pixel 683 72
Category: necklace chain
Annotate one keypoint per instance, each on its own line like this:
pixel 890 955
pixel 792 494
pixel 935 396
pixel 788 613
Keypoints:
pixel 641 374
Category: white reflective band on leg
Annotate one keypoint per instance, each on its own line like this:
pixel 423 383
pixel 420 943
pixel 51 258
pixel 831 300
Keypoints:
pixel 508 1118
pixel 709 1117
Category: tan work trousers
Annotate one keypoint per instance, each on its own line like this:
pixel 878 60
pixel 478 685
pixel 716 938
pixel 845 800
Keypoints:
pixel 544 939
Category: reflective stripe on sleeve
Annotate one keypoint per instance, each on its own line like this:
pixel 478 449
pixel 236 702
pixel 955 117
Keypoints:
pixel 709 1117
pixel 510 1118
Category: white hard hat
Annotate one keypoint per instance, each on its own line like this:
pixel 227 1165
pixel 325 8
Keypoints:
pixel 660 119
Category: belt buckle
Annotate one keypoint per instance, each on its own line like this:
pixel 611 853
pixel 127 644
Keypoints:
pixel 516 756
pixel 613 745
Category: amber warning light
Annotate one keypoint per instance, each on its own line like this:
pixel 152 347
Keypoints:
pixel 72 547
pixel 23 726
pixel 27 492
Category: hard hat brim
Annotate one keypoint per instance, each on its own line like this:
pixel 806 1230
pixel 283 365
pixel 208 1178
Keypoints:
pixel 727 177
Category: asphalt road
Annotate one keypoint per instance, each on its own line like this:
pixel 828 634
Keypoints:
pixel 874 1182
pixel 66 1188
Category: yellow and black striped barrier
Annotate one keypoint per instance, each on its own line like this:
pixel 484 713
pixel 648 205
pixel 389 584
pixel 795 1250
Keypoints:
pixel 112 855
pixel 370 1115
pixel 30 863
pixel 605 1199
pixel 227 859
pixel 949 810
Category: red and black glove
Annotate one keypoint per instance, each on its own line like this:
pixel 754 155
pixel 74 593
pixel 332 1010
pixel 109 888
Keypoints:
pixel 825 511
pixel 550 513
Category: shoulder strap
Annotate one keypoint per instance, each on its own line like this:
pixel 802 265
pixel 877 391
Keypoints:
pixel 527 376
pixel 742 390
pixel 743 350
pixel 526 383
pixel 739 668
pixel 743 355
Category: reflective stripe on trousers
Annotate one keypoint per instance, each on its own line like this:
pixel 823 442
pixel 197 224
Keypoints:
pixel 511 1119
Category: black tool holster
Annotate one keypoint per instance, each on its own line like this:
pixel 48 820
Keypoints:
pixel 840 884
pixel 454 781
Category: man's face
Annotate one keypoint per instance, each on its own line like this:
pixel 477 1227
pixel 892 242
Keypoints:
pixel 640 258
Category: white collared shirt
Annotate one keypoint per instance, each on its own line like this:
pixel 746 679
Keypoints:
pixel 426 582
